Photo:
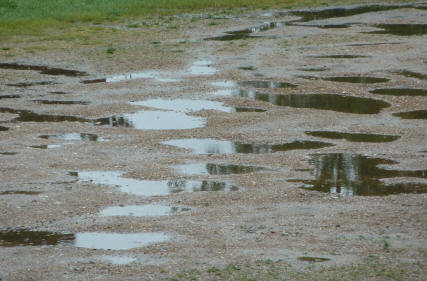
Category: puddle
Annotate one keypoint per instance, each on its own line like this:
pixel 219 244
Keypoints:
pixel 340 57
pixel 142 211
pixel 411 74
pixel 354 137
pixel 29 84
pixel 416 114
pixel 373 44
pixel 8 153
pixel 246 33
pixel 215 169
pixel 309 15
pixel 154 120
pixel 184 105
pixel 19 192
pixel 324 26
pixel 208 146
pixel 266 84
pixel 152 187
pixel 118 241
pixel 314 69
pixel 61 102
pixel 94 81
pixel 356 79
pixel 43 69
pixel 74 137
pixel 45 146
pixel 157 76
pixel 352 174
pixel 313 259
pixel 248 109
pixel 249 68
pixel 9 96
pixel 23 237
pixel 29 116
pixel 202 67
pixel 120 260
pixel 400 92
pixel 2 129
pixel 338 103
pixel 401 29
pixel 59 93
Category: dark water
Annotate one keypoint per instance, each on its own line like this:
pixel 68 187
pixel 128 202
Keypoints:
pixel 61 102
pixel 207 146
pixel 355 137
pixel 356 79
pixel 249 68
pixel 353 174
pixel 23 237
pixel 3 128
pixel 246 33
pixel 411 74
pixel 338 103
pixel 94 81
pixel 248 109
pixel 401 29
pixel 324 26
pixel 215 169
pixel 400 92
pixel 59 93
pixel 266 84
pixel 19 192
pixel 313 259
pixel 29 84
pixel 43 69
pixel 8 153
pixel 416 114
pixel 9 96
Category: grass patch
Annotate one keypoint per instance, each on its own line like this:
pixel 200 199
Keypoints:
pixel 34 16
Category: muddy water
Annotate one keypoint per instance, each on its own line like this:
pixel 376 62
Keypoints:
pixel 353 174
pixel 354 137
pixel 207 146
pixel 400 92
pixel 43 69
pixel 215 169
pixel 23 237
pixel 416 114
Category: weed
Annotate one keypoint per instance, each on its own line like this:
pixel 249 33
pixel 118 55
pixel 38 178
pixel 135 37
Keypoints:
pixel 386 244
pixel 111 50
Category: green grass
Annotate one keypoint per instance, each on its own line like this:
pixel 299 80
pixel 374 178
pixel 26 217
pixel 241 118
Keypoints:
pixel 34 16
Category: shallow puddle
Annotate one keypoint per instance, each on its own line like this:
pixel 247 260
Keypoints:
pixel 325 26
pixel 142 210
pixel 74 137
pixel 353 174
pixel 401 29
pixel 59 93
pixel 94 81
pixel 314 69
pixel 249 68
pixel 356 79
pixel 118 241
pixel 43 69
pixel 9 96
pixel 8 153
pixel 354 137
pixel 338 103
pixel 23 237
pixel 411 74
pixel 152 187
pixel 154 120
pixel 29 116
pixel 266 84
pixel 61 102
pixel 215 169
pixel 416 114
pixel 203 68
pixel 246 32
pixel 208 146
pixel 45 146
pixel 400 92
pixel 313 259
pixel 29 84
pixel 19 192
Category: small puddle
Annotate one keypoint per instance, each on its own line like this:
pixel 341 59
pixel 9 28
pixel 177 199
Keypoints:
pixel 118 241
pixel 208 146
pixel 29 84
pixel 338 103
pixel 215 169
pixel 2 129
pixel 354 137
pixel 43 69
pixel 19 192
pixel 266 84
pixel 61 102
pixel 8 153
pixel 23 237
pixel 59 93
pixel 314 69
pixel 353 174
pixel 400 92
pixel 142 211
pixel 94 81
pixel 45 146
pixel 249 68
pixel 411 74
pixel 340 57
pixel 313 259
pixel 416 114
pixel 401 29
pixel 29 116
pixel 74 137
pixel 155 75
pixel 246 32
pixel 9 96
pixel 356 79
pixel 152 187
pixel 324 26
pixel 202 68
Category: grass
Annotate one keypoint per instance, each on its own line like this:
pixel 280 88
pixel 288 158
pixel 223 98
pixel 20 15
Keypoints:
pixel 34 16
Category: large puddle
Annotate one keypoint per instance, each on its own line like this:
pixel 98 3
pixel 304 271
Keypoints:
pixel 23 237
pixel 401 29
pixel 339 103
pixel 152 187
pixel 118 241
pixel 416 114
pixel 208 146
pixel 353 174
pixel 142 210
pixel 354 137
pixel 43 69
pixel 400 92
pixel 246 32
pixel 215 169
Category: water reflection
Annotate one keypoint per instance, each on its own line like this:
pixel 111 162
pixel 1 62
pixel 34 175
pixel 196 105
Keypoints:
pixel 400 92
pixel 401 29
pixel 356 79
pixel 352 174
pixel 73 137
pixel 266 84
pixel 215 169
pixel 355 137
pixel 24 237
